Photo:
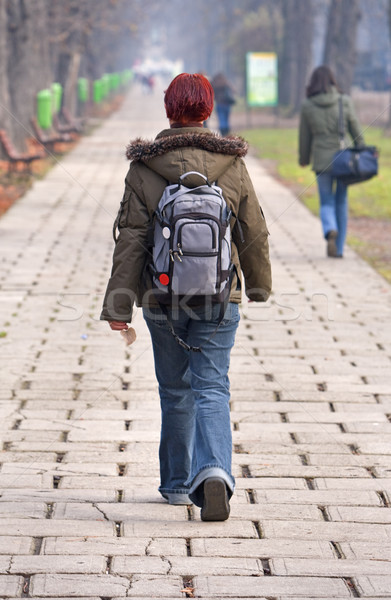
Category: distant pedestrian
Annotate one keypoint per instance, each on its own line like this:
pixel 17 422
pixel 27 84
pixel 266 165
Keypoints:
pixel 224 100
pixel 318 142
pixel 147 83
pixel 196 441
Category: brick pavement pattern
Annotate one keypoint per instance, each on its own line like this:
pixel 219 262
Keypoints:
pixel 80 515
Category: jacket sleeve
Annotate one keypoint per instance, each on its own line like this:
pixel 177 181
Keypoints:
pixel 251 239
pixel 305 139
pixel 128 259
pixel 353 124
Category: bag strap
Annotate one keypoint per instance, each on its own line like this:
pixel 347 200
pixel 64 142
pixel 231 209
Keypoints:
pixel 178 339
pixel 223 308
pixel 341 124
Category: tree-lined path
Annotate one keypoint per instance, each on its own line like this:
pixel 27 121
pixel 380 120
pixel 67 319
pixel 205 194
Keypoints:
pixel 80 515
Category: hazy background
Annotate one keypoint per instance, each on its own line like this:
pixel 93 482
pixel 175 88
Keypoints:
pixel 46 41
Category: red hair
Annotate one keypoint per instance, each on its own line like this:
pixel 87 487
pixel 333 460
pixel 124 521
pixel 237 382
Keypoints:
pixel 189 98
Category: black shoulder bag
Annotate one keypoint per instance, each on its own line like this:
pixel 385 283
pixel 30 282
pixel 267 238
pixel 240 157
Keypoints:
pixel 356 164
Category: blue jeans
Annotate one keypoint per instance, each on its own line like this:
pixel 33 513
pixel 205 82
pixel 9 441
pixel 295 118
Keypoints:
pixel 196 439
pixel 223 112
pixel 333 207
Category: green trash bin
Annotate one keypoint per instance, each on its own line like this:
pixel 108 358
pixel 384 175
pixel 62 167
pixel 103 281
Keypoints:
pixel 114 81
pixel 44 109
pixel 56 97
pixel 105 85
pixel 82 89
pixel 126 77
pixel 97 91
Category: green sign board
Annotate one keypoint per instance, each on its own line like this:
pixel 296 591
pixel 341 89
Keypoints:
pixel 262 79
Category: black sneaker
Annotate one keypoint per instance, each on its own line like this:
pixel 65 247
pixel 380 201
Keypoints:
pixel 331 243
pixel 216 504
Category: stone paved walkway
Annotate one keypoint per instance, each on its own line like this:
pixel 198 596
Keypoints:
pixel 80 515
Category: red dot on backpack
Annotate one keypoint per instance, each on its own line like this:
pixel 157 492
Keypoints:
pixel 164 279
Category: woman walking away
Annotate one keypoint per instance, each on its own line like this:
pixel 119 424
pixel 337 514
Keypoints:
pixel 318 142
pixel 224 99
pixel 196 444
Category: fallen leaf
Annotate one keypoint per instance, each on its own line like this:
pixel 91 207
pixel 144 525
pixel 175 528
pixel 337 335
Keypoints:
pixel 189 591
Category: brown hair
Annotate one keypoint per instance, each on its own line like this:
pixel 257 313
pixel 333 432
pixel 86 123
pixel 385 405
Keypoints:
pixel 219 80
pixel 321 81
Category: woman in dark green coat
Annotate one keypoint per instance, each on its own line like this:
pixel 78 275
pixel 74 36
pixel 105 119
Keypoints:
pixel 318 142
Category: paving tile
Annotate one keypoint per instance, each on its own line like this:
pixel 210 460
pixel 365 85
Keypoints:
pixel 185 565
pixel 55 468
pixel 10 585
pixel 264 548
pixel 189 529
pixel 114 546
pixel 131 511
pixel 58 564
pixel 24 510
pixel 361 484
pixel 318 530
pixel 374 585
pixel 299 567
pixel 239 587
pixel 256 512
pixel 367 550
pixel 308 471
pixel 360 514
pixel 46 527
pixel 53 585
pixel 155 586
pixel 59 495
pixel 10 544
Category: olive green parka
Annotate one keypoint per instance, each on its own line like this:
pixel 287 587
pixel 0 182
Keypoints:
pixel 318 131
pixel 155 163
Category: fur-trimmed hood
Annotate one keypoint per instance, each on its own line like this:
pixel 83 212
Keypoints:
pixel 177 151
pixel 173 139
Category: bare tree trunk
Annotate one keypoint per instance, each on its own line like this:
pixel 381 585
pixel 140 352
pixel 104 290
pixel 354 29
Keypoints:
pixel 340 46
pixel 389 32
pixel 5 118
pixel 28 61
pixel 296 54
pixel 70 88
pixel 54 20
pixel 288 55
pixel 304 49
pixel 68 21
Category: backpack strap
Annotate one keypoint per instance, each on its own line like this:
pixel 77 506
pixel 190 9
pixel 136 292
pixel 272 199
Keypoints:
pixel 175 335
pixel 341 124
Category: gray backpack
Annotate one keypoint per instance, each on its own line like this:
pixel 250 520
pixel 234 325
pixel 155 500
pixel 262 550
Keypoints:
pixel 191 255
pixel 192 242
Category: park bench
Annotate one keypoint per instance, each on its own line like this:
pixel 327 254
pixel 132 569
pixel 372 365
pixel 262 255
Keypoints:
pixel 48 140
pixel 77 123
pixel 68 127
pixel 14 157
pixel 60 127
